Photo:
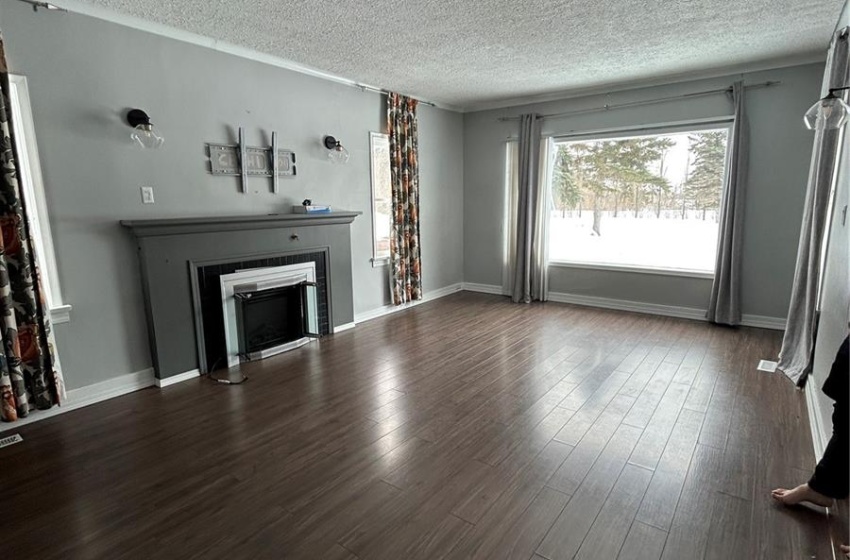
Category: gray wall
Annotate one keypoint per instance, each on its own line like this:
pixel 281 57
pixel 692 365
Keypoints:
pixel 84 73
pixel 779 161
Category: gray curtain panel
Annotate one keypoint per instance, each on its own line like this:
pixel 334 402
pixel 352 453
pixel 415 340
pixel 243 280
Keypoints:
pixel 725 303
pixel 528 246
pixel 795 358
pixel 512 163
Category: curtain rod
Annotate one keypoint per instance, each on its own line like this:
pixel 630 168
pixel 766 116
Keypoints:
pixel 607 107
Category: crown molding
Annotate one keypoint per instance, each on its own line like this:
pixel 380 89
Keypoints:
pixel 83 8
pixel 80 7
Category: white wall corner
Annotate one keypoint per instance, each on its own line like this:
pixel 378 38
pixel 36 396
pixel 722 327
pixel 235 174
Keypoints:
pixel 179 378
pixel 344 327
pixel 427 296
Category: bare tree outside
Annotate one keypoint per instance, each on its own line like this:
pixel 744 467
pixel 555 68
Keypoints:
pixel 641 201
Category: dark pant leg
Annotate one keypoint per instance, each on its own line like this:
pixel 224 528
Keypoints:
pixel 832 475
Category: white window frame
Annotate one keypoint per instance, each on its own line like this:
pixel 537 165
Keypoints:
pixel 35 199
pixel 374 138
pixel 630 132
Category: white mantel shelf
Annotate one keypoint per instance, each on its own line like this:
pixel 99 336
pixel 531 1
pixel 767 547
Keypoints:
pixel 177 226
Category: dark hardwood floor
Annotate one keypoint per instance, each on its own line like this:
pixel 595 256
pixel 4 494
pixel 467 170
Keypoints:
pixel 467 427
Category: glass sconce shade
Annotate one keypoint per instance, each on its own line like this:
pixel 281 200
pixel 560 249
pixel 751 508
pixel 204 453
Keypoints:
pixel 829 113
pixel 145 135
pixel 339 155
pixel 336 151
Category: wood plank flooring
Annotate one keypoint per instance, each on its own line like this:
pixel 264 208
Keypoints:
pixel 467 427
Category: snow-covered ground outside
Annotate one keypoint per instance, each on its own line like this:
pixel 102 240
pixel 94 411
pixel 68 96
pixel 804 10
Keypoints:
pixel 667 242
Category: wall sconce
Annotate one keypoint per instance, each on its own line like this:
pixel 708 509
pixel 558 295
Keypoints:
pixel 144 134
pixel 829 113
pixel 336 151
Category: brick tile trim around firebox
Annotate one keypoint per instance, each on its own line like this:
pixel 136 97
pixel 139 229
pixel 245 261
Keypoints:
pixel 206 295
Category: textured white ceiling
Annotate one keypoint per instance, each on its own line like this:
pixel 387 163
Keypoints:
pixel 466 53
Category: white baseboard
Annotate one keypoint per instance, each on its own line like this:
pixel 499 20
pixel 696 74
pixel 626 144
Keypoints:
pixel 483 288
pixel 760 321
pixel 625 305
pixel 88 395
pixel 344 327
pixel 763 322
pixel 165 382
pixel 820 436
pixel 387 309
pixel 110 388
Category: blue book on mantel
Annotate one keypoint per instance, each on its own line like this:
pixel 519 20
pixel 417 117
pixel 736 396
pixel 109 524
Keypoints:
pixel 312 209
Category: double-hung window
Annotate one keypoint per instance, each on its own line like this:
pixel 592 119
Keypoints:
pixel 32 187
pixel 647 201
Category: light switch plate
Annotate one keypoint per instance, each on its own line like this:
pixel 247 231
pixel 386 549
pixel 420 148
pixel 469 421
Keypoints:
pixel 147 195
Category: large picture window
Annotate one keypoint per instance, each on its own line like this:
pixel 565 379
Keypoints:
pixel 645 202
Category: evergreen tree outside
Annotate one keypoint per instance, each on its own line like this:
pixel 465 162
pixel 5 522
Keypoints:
pixel 639 184
pixel 610 174
pixel 566 184
pixel 704 186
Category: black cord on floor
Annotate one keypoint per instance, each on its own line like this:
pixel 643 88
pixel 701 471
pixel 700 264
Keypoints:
pixel 224 381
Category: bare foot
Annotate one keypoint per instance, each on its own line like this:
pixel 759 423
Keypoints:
pixel 846 550
pixel 801 493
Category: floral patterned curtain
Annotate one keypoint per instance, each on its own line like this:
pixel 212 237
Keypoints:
pixel 29 374
pixel 405 268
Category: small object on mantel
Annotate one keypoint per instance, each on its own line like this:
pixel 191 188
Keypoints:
pixel 311 209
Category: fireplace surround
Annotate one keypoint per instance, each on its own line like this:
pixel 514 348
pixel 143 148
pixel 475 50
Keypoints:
pixel 178 254
pixel 266 311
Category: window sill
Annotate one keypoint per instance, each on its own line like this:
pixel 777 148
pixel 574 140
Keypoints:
pixel 379 261
pixel 60 314
pixel 636 269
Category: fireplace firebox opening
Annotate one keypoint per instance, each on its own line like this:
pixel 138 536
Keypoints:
pixel 271 318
